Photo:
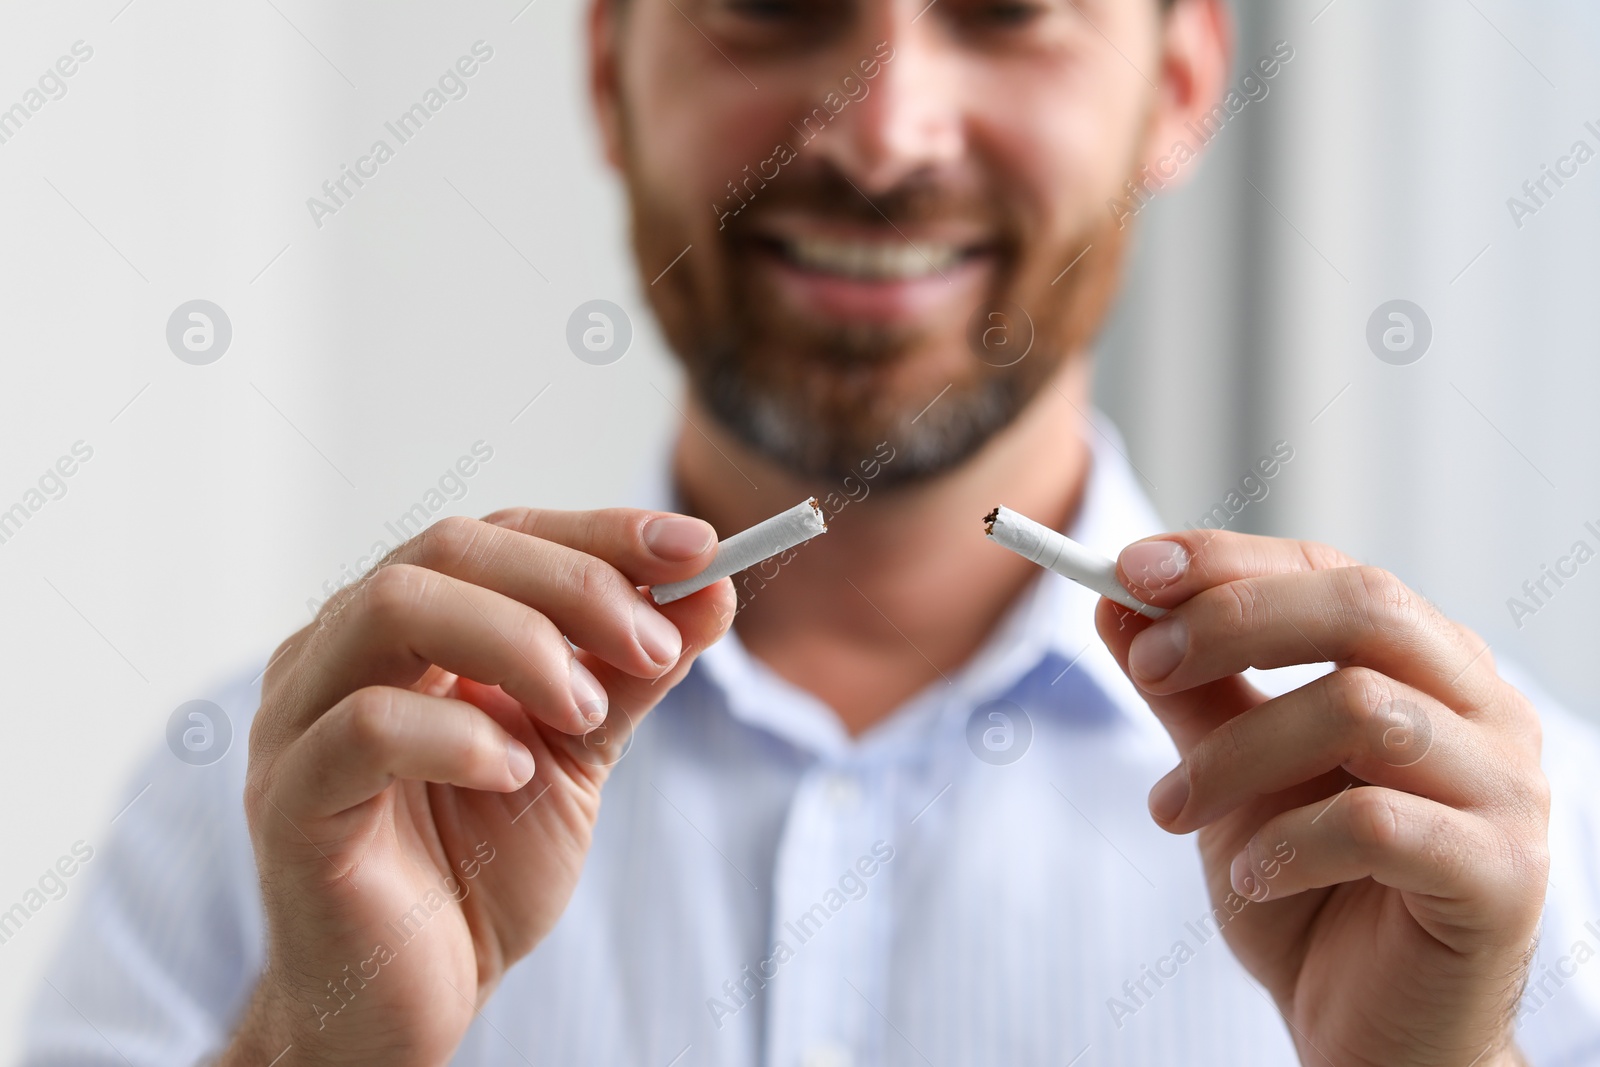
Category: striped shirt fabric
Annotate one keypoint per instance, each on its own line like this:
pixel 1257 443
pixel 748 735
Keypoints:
pixel 975 880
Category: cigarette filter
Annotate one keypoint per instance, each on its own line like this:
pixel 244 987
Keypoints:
pixel 745 549
pixel 1037 543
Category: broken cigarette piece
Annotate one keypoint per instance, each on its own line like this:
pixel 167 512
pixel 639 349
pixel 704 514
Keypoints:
pixel 745 549
pixel 1037 543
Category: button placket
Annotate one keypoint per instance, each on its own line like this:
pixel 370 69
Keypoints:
pixel 827 918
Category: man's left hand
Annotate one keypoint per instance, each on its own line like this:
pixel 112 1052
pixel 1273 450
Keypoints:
pixel 1379 834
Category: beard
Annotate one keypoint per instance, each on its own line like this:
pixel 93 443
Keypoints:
pixel 818 397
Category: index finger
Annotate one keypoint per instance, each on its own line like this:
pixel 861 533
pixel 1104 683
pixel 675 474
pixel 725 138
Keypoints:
pixel 1169 568
pixel 649 547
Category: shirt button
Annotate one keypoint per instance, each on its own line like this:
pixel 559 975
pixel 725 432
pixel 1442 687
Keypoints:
pixel 826 1056
pixel 843 793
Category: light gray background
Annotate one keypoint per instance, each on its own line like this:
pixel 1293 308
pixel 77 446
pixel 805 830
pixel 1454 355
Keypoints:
pixel 370 354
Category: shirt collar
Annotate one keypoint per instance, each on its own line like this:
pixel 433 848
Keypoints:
pixel 1048 630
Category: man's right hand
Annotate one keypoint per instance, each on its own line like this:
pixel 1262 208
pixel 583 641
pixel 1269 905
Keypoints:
pixel 407 858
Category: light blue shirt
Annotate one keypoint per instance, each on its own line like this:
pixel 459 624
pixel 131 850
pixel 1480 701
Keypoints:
pixel 976 880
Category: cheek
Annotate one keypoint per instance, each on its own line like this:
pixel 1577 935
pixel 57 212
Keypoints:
pixel 695 123
pixel 1053 169
pixel 1062 149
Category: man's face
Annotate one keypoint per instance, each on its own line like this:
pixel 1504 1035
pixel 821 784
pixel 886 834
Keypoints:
pixel 884 202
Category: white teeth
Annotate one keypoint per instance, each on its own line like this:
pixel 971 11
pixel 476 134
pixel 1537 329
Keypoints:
pixel 872 260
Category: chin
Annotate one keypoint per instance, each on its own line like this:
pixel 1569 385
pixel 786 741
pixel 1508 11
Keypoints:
pixel 817 416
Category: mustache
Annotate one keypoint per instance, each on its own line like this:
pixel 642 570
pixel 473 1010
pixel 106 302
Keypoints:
pixel 823 191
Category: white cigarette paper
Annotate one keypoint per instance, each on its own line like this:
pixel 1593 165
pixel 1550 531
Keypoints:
pixel 745 549
pixel 1037 543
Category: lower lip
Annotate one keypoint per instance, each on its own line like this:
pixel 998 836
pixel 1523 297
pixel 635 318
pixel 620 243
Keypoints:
pixel 835 296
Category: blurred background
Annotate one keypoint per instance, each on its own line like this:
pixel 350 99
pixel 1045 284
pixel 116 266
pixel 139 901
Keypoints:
pixel 216 498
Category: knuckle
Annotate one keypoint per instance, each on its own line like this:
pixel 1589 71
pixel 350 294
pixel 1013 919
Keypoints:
pixel 1203 545
pixel 572 528
pixel 370 719
pixel 528 632
pixel 255 802
pixel 510 518
pixel 1541 795
pixel 393 592
pixel 1321 557
pixel 1374 820
pixel 1529 857
pixel 1209 761
pixel 1243 608
pixel 261 810
pixel 476 746
pixel 262 727
pixel 597 581
pixel 1388 603
pixel 535 522
pixel 447 542
pixel 1358 694
pixel 1534 795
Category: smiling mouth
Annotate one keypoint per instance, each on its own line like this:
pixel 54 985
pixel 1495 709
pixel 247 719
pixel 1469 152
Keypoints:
pixel 892 260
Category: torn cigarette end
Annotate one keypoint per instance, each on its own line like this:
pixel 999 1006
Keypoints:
pixel 745 549
pixel 1037 543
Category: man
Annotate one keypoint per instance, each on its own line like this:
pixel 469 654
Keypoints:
pixel 894 816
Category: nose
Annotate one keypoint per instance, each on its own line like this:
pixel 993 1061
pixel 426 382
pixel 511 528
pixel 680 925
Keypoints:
pixel 911 118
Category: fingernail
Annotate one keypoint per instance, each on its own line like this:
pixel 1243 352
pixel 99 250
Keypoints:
pixel 656 635
pixel 519 761
pixel 676 538
pixel 1158 650
pixel 588 693
pixel 1242 878
pixel 1170 794
pixel 1154 565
